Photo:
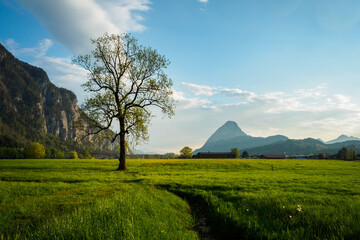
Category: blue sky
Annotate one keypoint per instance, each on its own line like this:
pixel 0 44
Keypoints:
pixel 286 67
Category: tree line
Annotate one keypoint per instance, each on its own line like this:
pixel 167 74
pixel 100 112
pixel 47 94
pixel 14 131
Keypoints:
pixel 37 151
pixel 343 154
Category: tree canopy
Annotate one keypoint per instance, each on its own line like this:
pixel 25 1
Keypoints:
pixel 186 152
pixel 126 82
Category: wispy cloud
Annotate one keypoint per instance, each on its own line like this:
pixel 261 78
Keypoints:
pixel 37 51
pixel 200 89
pixel 239 93
pixel 73 23
pixel 189 102
pixel 60 70
pixel 204 3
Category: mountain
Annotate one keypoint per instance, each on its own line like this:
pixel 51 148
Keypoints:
pixel 231 136
pixel 304 146
pixel 227 131
pixel 31 104
pixel 34 109
pixel 343 138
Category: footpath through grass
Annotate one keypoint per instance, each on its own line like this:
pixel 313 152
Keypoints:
pixel 245 199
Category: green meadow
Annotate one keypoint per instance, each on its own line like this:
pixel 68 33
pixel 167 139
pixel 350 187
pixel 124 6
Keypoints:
pixel 161 199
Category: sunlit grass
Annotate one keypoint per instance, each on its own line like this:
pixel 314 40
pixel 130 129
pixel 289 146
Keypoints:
pixel 264 199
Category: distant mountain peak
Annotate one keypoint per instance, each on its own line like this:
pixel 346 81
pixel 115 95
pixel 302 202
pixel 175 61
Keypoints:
pixel 230 123
pixel 227 131
pixel 343 138
pixel 230 136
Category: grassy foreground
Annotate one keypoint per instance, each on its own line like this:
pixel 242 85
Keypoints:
pixel 245 199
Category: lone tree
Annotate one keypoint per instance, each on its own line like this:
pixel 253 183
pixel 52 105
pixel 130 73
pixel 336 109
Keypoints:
pixel 186 152
pixel 126 81
pixel 236 151
pixel 245 154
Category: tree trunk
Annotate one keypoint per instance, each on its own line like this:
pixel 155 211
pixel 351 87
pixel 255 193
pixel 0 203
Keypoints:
pixel 122 157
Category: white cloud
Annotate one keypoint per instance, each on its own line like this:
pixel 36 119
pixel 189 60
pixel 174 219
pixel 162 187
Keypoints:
pixel 203 1
pixel 238 93
pixel 186 103
pixel 200 89
pixel 306 100
pixel 73 23
pixel 38 51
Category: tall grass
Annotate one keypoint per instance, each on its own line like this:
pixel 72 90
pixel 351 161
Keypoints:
pixel 245 199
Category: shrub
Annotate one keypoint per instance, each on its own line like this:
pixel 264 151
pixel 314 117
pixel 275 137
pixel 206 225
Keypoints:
pixel 73 155
pixel 87 155
pixel 59 155
pixel 36 150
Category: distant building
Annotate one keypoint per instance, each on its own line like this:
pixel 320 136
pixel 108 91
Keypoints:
pixel 273 156
pixel 215 155
pixel 299 156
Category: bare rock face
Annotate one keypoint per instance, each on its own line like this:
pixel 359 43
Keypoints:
pixel 31 104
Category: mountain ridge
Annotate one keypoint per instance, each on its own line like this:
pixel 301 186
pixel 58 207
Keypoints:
pixel 343 138
pixel 303 146
pixel 28 98
pixel 233 137
pixel 32 109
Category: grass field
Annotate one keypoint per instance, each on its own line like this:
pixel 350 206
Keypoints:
pixel 244 199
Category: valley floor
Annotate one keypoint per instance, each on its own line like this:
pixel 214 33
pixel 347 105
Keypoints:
pixel 238 198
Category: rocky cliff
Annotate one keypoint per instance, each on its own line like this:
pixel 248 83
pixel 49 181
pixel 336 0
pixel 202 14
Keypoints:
pixel 30 104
